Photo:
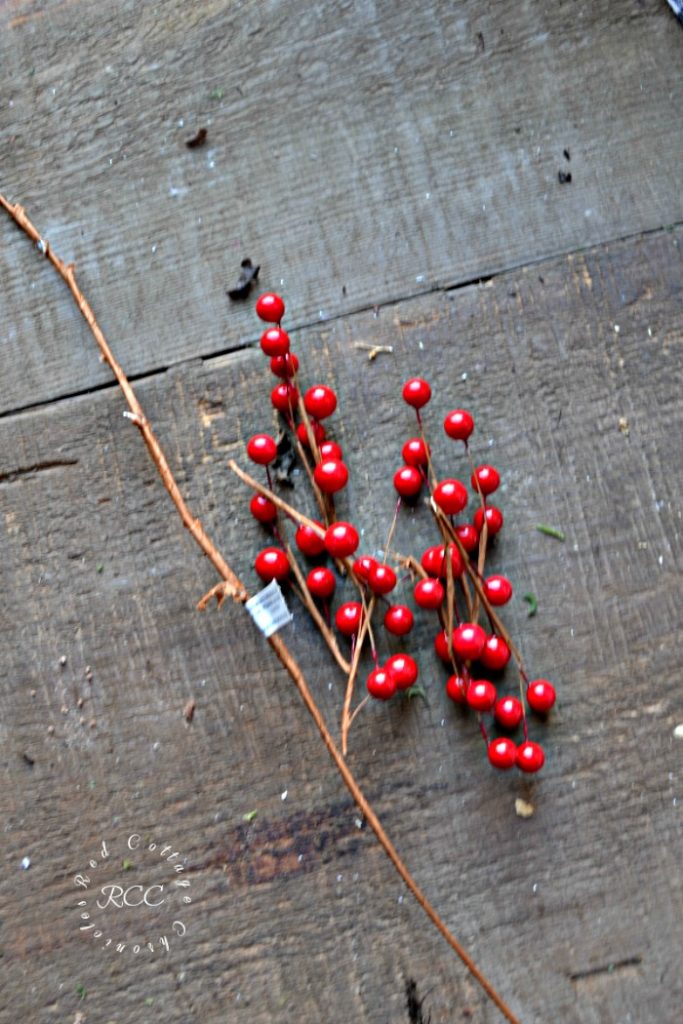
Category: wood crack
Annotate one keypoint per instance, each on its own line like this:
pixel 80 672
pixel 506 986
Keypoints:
pixel 15 475
pixel 610 968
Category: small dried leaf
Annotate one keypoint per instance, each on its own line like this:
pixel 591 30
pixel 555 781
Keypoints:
pixel 197 140
pixel 523 809
pixel 188 710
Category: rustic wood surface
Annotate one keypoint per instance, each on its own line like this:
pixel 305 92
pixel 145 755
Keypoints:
pixel 560 328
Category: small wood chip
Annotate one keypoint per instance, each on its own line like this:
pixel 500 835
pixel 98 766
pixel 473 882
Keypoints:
pixel 523 809
pixel 678 732
pixel 188 710
pixel 197 140
pixel 50 730
pixel 624 426
pixel 373 350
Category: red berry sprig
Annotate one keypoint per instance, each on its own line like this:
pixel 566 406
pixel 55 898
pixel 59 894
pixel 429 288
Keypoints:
pixel 450 573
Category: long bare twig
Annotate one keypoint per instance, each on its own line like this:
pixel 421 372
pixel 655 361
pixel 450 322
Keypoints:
pixel 237 589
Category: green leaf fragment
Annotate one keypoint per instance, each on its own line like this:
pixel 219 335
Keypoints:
pixel 216 94
pixel 80 991
pixel 417 691
pixel 149 1001
pixel 550 531
pixel 127 864
pixel 249 816
pixel 100 568
pixel 533 604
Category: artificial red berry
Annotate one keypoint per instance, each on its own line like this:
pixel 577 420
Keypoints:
pixel 321 582
pixel 469 640
pixel 262 509
pixel 308 541
pixel 262 449
pixel 330 450
pixel 320 401
pixel 458 424
pixel 468 536
pixel 434 561
pixel 270 307
pixel 348 617
pixel 341 539
pixel 494 520
pixel 415 452
pixel 416 392
pixel 362 567
pixel 441 646
pixel 456 688
pixel 509 712
pixel 487 478
pixel 331 475
pixel 481 695
pixel 275 342
pixel 284 398
pixel 496 653
pixel 541 695
pixel 404 669
pixel 450 496
pixel 284 366
pixel 381 578
pixel 530 756
pixel 429 593
pixel 502 752
pixel 318 433
pixel 498 590
pixel 398 620
pixel 272 564
pixel 381 683
pixel 408 481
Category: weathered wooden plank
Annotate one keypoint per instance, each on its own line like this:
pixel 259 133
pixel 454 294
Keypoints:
pixel 296 915
pixel 360 152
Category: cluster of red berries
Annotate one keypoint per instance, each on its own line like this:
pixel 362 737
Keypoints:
pixel 443 569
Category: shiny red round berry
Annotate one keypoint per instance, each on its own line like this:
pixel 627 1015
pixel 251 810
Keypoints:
pixel 416 392
pixel 481 695
pixel 318 433
pixel 487 478
pixel 321 582
pixel 494 520
pixel 362 567
pixel 541 695
pixel 458 424
pixel 331 475
pixel 441 646
pixel 450 496
pixel 262 509
pixel 348 617
pixel 275 343
pixel 469 640
pixel 496 653
pixel 509 712
pixel 415 452
pixel 456 688
pixel 284 398
pixel 429 593
pixel 468 536
pixel 398 620
pixel 270 307
pixel 408 481
pixel 404 669
pixel 502 752
pixel 262 449
pixel 330 450
pixel 381 683
pixel 272 564
pixel 381 578
pixel 284 366
pixel 434 561
pixel 530 756
pixel 498 590
pixel 341 539
pixel 320 401
pixel 308 541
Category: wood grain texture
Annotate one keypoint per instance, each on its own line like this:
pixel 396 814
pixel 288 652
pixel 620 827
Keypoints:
pixel 360 152
pixel 296 915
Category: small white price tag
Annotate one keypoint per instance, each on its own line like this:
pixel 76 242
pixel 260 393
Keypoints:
pixel 269 609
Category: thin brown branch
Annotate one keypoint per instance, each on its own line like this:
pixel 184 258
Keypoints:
pixel 348 695
pixel 67 273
